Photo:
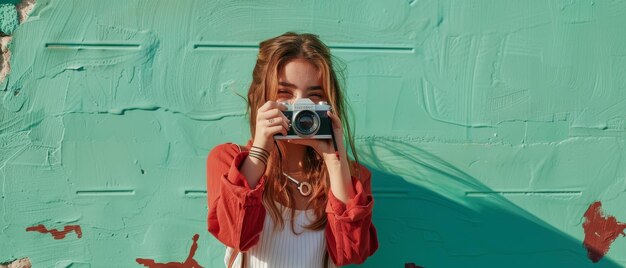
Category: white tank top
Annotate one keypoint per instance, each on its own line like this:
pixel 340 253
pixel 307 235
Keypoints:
pixel 282 248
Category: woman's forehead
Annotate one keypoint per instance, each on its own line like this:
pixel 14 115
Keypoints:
pixel 300 73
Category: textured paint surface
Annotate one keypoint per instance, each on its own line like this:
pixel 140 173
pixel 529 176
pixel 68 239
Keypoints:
pixel 8 18
pixel 490 126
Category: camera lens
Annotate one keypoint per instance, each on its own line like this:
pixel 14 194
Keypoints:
pixel 306 123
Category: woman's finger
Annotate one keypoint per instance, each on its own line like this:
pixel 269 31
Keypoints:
pixel 286 119
pixel 276 121
pixel 266 106
pixel 271 114
pixel 285 123
pixel 274 113
pixel 334 119
pixel 269 105
pixel 279 129
pixel 274 117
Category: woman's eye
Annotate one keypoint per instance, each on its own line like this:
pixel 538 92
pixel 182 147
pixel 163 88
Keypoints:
pixel 316 95
pixel 283 92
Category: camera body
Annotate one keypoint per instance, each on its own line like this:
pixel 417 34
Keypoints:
pixel 308 120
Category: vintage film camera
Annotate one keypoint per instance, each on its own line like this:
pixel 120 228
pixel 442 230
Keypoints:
pixel 308 120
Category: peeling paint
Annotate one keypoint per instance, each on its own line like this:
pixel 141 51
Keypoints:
pixel 56 233
pixel 188 263
pixel 600 231
pixel 20 263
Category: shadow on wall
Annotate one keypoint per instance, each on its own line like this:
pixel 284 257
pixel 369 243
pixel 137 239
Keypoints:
pixel 424 218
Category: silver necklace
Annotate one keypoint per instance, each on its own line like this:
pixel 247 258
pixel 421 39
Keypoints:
pixel 304 187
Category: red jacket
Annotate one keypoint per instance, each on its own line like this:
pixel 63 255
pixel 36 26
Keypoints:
pixel 236 214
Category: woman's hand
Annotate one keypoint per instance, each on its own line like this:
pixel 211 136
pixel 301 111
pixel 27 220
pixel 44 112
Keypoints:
pixel 325 148
pixel 270 120
pixel 336 161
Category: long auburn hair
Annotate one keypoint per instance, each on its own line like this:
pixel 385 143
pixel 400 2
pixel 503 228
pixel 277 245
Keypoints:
pixel 273 55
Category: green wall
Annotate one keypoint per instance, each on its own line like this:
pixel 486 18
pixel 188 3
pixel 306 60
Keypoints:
pixel 490 126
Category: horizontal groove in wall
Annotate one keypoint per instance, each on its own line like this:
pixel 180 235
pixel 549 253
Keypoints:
pixel 338 48
pixel 374 49
pixel 390 193
pixel 93 46
pixel 195 193
pixel 523 193
pixel 207 46
pixel 104 192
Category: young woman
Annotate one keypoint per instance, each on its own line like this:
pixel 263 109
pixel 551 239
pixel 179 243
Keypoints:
pixel 273 176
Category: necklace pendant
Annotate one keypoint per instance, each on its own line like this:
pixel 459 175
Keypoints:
pixel 305 188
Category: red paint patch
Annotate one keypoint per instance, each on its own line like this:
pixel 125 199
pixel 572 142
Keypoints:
pixel 189 262
pixel 600 231
pixel 56 233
